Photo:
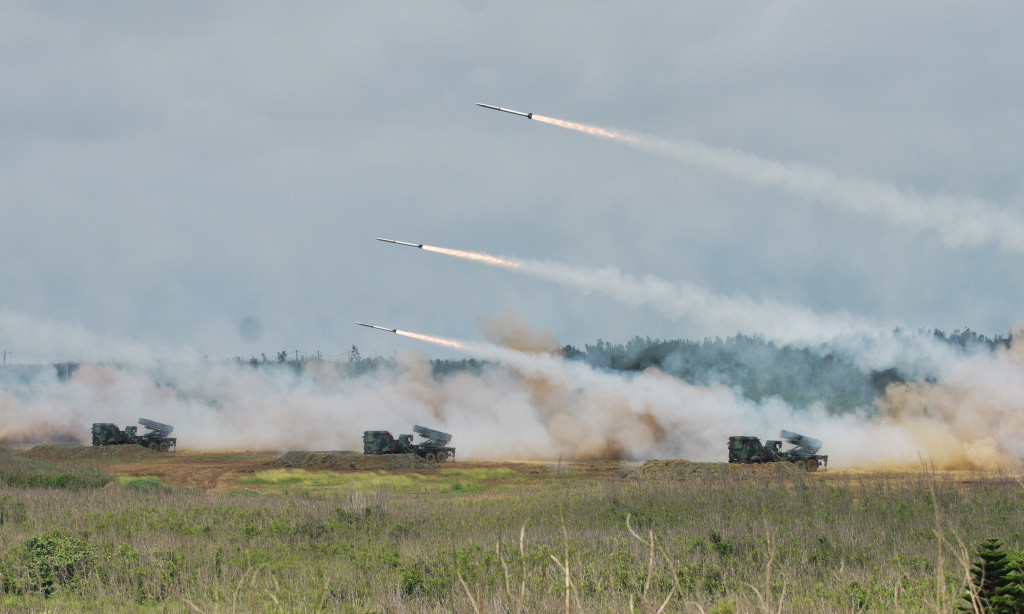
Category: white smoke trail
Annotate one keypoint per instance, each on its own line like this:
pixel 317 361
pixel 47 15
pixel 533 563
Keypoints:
pixel 958 220
pixel 775 320
pixel 871 345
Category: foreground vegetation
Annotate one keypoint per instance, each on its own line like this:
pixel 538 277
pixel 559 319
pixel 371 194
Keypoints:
pixel 486 540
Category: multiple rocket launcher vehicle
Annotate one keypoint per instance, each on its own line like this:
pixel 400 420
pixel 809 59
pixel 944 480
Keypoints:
pixel 158 439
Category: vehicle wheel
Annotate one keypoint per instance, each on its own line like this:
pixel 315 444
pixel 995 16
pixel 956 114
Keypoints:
pixel 812 464
pixel 164 446
pixel 154 447
pixel 430 458
pixel 442 457
pixel 801 465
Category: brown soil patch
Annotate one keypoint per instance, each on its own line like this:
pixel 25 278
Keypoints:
pixel 217 471
pixel 221 470
pixel 354 462
pixel 682 470
pixel 67 453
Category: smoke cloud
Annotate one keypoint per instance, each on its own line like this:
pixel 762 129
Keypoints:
pixel 511 331
pixel 973 417
pixel 524 401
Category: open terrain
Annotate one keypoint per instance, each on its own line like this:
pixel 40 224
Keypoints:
pixel 223 470
pixel 236 531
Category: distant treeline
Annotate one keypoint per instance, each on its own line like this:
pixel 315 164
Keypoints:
pixel 752 366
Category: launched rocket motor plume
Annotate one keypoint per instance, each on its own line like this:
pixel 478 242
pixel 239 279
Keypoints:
pixel 449 343
pixel 593 130
pixel 475 256
pixel 960 221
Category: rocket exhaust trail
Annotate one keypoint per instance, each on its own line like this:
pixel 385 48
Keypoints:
pixel 450 343
pixel 475 256
pixel 960 221
pixel 593 130
pixel 775 320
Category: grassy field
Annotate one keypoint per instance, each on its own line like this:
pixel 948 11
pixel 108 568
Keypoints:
pixel 496 540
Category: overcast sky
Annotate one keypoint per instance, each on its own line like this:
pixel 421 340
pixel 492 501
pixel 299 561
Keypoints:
pixel 211 175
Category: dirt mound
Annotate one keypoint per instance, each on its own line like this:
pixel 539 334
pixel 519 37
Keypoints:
pixel 358 462
pixel 682 470
pixel 66 453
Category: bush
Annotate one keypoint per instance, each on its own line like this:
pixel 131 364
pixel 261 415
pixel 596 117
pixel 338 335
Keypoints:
pixel 12 511
pixel 411 581
pixel 56 559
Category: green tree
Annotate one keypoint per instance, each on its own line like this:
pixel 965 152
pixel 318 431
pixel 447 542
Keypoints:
pixel 994 585
pixel 1010 599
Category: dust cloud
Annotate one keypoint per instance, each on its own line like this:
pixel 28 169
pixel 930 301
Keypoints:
pixel 973 417
pixel 524 401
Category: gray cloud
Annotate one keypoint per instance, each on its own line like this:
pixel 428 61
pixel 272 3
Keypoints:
pixel 167 172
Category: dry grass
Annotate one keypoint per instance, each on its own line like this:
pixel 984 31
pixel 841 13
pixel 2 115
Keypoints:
pixel 779 544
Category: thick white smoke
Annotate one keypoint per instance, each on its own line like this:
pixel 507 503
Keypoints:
pixel 522 403
pixel 973 416
pixel 527 405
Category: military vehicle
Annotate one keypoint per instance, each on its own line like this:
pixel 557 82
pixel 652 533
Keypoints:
pixel 434 449
pixel 804 453
pixel 157 439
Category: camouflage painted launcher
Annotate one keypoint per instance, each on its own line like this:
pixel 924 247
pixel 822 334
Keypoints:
pixel 159 428
pixel 435 438
pixel 804 444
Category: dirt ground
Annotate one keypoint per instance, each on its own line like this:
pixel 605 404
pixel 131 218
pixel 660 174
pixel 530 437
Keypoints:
pixel 206 470
pixel 221 470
